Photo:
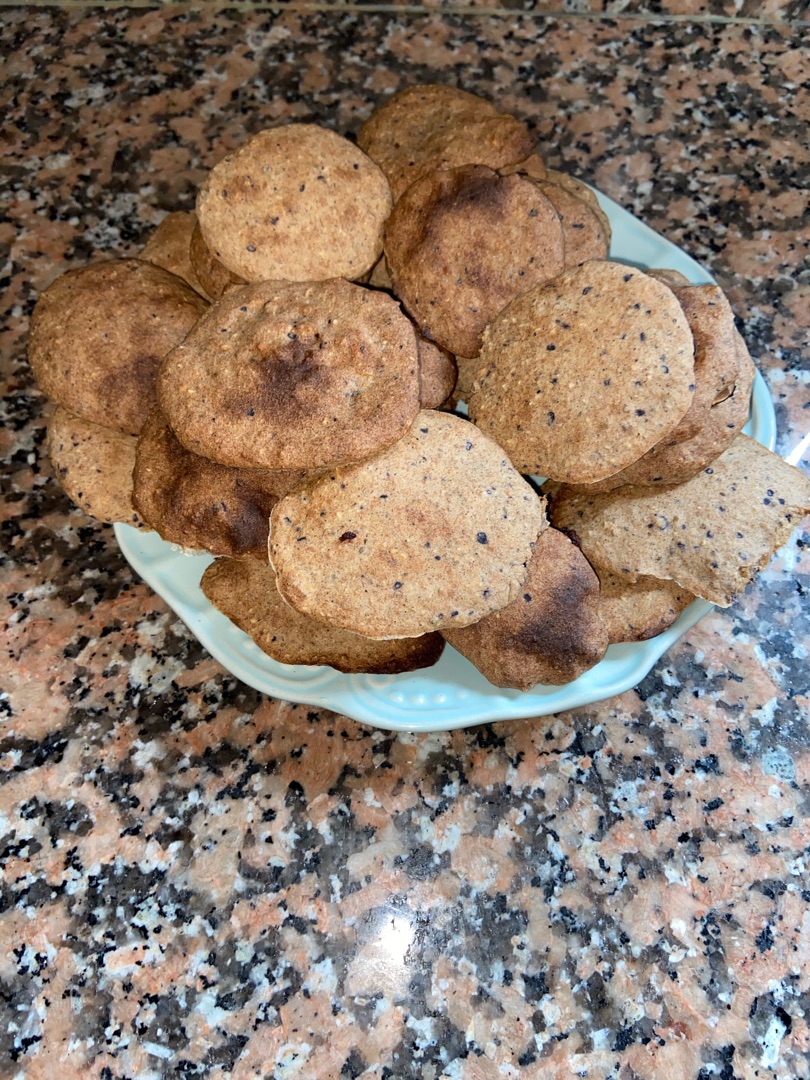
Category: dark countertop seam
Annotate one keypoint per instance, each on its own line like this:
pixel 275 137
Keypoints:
pixel 652 18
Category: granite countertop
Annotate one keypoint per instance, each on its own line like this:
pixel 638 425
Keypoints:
pixel 202 881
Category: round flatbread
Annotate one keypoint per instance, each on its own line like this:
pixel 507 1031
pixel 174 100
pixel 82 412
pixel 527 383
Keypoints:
pixel 294 376
pixel 711 321
pixel 641 609
pixel 295 203
pixel 551 632
pixel 169 247
pixel 198 504
pixel 435 532
pixel 579 188
pixel 711 534
pixel 583 375
pixel 94 466
pixel 245 591
pixel 437 374
pixel 583 235
pixel 213 276
pixel 99 335
pixel 461 243
pixel 429 127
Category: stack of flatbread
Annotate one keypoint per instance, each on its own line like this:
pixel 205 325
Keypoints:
pixel 273 381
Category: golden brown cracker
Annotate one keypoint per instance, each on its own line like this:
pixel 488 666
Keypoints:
pixel 245 591
pixel 583 235
pixel 551 632
pixel 641 609
pixel 285 375
pixel 429 127
pixel 711 321
pixel 199 504
pixel 94 466
pixel 581 376
pixel 434 532
pixel 295 203
pixel 169 247
pixel 711 534
pixel 213 276
pixel 99 335
pixel 461 243
pixel 579 188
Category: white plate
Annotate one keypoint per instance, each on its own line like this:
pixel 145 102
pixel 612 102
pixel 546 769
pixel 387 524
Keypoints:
pixel 453 693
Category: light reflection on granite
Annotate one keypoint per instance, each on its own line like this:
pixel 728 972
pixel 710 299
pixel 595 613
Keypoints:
pixel 198 881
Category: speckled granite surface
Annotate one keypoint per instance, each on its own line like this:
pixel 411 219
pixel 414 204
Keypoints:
pixel 791 12
pixel 197 881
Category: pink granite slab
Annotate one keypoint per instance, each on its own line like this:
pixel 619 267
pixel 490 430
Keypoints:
pixel 197 881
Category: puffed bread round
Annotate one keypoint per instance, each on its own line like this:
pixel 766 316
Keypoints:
pixel 286 375
pixel 100 333
pixel 583 375
pixel 461 243
pixel 94 466
pixel 295 203
pixel 429 127
pixel 435 532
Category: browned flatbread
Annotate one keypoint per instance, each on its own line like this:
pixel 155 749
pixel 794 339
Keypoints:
pixel 711 534
pixel 673 278
pixel 461 243
pixel 213 276
pixel 532 166
pixel 551 632
pixel 724 421
pixel 468 368
pixel 94 466
pixel 198 504
pixel 583 235
pixel 99 334
pixel 430 127
pixel 641 609
pixel 435 532
pixel 676 459
pixel 294 376
pixel 437 373
pixel 169 247
pixel 579 188
pixel 711 321
pixel 380 278
pixel 295 203
pixel 745 365
pixel 245 591
pixel 582 376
